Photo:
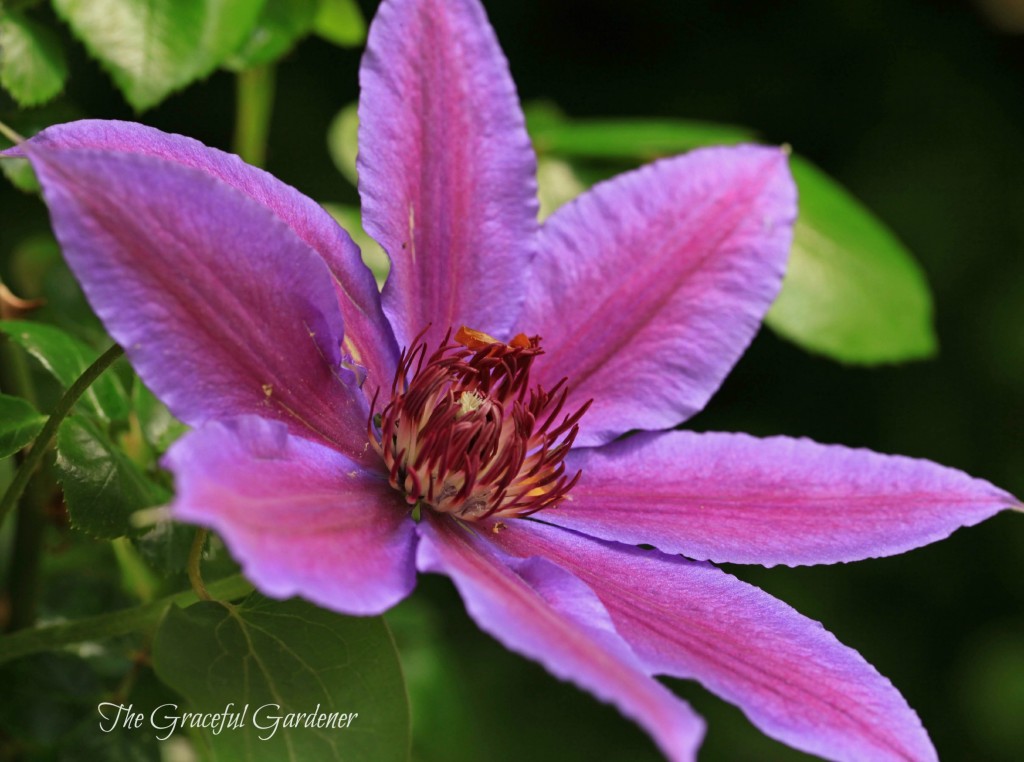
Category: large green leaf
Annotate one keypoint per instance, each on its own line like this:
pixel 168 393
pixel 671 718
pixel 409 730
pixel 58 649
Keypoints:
pixel 66 358
pixel 852 290
pixel 153 47
pixel 32 65
pixel 340 22
pixel 19 424
pixel 281 24
pixel 282 657
pixel 102 486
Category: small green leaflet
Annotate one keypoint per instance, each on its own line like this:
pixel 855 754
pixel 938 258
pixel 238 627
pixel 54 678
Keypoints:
pixel 102 487
pixel 152 48
pixel 852 290
pixel 279 27
pixel 32 65
pixel 19 424
pixel 342 141
pixel 372 253
pixel 65 357
pixel 283 657
pixel 340 22
pixel 159 428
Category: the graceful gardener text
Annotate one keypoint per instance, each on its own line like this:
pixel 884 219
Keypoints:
pixel 266 719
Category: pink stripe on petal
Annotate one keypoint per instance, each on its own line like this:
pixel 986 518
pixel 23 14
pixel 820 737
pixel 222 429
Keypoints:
pixel 300 518
pixel 647 289
pixel 368 336
pixel 789 675
pixel 735 498
pixel 221 308
pixel 544 613
pixel 446 169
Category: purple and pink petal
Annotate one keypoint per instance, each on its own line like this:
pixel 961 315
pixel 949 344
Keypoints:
pixel 647 289
pixel 447 174
pixel 791 677
pixel 300 518
pixel 735 498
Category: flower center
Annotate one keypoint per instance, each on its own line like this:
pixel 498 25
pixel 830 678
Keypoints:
pixel 465 434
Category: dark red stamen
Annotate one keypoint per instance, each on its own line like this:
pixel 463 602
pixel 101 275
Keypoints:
pixel 461 434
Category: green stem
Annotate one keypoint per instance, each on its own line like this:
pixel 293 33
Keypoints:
pixel 26 642
pixel 195 561
pixel 254 104
pixel 60 411
pixel 10 134
pixel 23 576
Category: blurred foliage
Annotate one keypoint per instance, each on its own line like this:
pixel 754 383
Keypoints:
pixel 910 110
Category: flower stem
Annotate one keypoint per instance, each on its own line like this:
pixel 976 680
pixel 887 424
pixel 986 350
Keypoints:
pixel 254 104
pixel 60 411
pixel 195 560
pixel 26 642
pixel 10 134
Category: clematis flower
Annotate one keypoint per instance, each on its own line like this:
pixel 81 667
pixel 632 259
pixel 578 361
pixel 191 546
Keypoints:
pixel 490 448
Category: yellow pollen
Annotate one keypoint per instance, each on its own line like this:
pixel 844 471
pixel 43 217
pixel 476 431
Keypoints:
pixel 468 402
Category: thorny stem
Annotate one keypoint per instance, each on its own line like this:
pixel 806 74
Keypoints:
pixel 195 560
pixel 60 412
pixel 254 104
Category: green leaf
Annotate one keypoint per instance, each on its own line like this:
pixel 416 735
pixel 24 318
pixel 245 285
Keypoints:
pixel 153 47
pixel 159 428
pixel 65 357
pixel 637 139
pixel 342 141
pixel 281 24
pixel 284 657
pixel 19 424
pixel 166 546
pixel 102 487
pixel 340 22
pixel 852 291
pixel 32 65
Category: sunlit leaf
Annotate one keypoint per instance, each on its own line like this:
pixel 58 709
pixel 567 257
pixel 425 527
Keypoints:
pixel 32 65
pixel 19 424
pixel 340 22
pixel 373 255
pixel 557 184
pixel 342 139
pixel 852 290
pixel 102 487
pixel 66 358
pixel 153 47
pixel 284 657
pixel 281 24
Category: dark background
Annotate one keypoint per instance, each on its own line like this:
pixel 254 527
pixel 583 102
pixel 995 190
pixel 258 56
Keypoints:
pixel 916 107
